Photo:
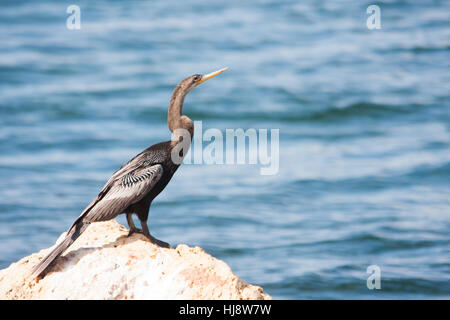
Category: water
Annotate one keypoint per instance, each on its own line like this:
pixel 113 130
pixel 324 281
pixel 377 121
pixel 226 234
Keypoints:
pixel 363 118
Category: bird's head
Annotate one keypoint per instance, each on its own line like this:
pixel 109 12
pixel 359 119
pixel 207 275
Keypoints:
pixel 193 81
pixel 174 118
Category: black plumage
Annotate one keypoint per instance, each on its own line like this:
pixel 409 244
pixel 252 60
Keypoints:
pixel 132 188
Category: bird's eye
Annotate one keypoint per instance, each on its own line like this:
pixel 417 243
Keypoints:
pixel 197 77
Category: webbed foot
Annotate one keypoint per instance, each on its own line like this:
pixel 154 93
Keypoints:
pixel 134 230
pixel 157 242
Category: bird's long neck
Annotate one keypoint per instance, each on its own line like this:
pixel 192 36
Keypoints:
pixel 175 119
pixel 176 108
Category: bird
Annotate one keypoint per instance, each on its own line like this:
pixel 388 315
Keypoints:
pixel 133 187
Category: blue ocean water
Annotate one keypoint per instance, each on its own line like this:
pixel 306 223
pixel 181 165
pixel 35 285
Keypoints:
pixel 363 117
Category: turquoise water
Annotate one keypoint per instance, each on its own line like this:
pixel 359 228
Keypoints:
pixel 363 118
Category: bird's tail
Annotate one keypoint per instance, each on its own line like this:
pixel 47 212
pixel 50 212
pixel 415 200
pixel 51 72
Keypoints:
pixel 74 232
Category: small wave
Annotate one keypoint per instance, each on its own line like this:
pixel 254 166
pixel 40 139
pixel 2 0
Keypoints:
pixel 333 284
pixel 417 49
pixel 357 110
pixel 368 243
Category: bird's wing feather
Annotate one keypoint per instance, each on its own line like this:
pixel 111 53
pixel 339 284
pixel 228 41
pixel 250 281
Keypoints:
pixel 122 190
pixel 138 161
pixel 131 165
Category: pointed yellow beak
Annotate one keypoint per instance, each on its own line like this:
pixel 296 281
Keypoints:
pixel 212 74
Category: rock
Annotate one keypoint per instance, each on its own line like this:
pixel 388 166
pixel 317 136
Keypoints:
pixel 106 264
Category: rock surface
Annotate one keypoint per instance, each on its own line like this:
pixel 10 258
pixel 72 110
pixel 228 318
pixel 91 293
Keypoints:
pixel 105 264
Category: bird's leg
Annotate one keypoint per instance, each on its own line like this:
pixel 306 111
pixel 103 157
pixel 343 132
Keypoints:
pixel 133 228
pixel 151 238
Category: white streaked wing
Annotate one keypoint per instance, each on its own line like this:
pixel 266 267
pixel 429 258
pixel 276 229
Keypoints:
pixel 119 174
pixel 131 188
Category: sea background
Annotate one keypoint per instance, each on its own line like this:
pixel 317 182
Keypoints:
pixel 363 116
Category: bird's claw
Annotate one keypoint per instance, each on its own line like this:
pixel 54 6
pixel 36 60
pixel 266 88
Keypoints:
pixel 162 244
pixel 152 239
pixel 159 243
pixel 135 230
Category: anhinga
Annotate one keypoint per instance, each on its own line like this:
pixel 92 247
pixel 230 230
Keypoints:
pixel 132 188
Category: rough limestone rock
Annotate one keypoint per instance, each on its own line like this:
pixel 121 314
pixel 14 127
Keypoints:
pixel 105 264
